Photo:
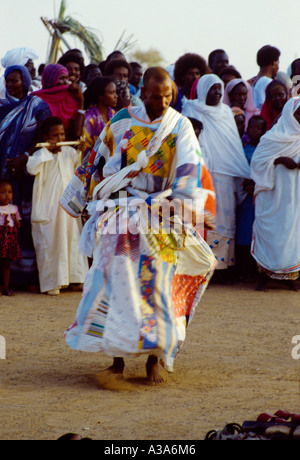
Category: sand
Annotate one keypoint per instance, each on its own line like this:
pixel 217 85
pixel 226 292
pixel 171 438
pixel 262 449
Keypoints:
pixel 236 363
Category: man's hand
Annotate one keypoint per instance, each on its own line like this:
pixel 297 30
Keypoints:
pixel 16 166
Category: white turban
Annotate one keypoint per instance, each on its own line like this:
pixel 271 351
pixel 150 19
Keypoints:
pixel 18 56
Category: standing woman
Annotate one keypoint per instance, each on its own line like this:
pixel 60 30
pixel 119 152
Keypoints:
pixel 277 95
pixel 224 157
pixel 238 93
pixel 64 98
pixel 275 171
pixel 100 100
pixel 20 117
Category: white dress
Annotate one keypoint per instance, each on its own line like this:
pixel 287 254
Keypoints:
pixel 55 233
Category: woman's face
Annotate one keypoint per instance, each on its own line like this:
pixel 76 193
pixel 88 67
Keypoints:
pixel 238 96
pixel 278 97
pixel 297 115
pixel 74 71
pixel 14 84
pixel 110 97
pixel 63 80
pixel 214 95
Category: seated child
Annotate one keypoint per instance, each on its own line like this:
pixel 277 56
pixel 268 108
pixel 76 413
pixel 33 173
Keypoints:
pixel 55 233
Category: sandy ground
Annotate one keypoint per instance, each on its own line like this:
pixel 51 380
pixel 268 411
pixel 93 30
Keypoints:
pixel 236 363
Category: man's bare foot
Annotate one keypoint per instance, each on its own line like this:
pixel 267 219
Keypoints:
pixel 117 367
pixel 152 370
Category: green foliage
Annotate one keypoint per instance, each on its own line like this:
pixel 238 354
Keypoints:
pixel 149 58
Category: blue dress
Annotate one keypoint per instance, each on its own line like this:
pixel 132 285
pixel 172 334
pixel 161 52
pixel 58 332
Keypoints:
pixel 245 211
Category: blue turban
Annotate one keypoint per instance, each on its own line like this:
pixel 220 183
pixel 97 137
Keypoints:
pixel 26 77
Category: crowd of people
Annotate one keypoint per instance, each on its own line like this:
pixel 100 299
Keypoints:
pixel 197 126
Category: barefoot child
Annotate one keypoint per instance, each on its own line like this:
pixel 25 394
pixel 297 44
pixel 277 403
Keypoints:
pixel 9 224
pixel 55 233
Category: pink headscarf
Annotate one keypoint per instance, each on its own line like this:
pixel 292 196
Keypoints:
pixel 249 108
pixel 59 99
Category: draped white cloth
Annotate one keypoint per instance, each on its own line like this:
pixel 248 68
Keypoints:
pixel 224 157
pixel 276 229
pixel 220 142
pixel 249 107
pixel 55 234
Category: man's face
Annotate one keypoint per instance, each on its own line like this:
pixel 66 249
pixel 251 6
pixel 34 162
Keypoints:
pixel 136 76
pixel 157 97
pixel 120 73
pixel 220 61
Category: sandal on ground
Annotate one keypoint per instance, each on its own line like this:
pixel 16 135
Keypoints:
pixel 8 293
pixel 53 292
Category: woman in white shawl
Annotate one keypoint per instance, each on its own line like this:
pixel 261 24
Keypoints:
pixel 238 93
pixel 275 170
pixel 225 159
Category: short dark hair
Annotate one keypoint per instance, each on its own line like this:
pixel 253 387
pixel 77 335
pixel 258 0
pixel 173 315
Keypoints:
pixel 157 73
pixel 49 122
pixel 213 54
pixel 87 70
pixel 188 61
pixel 293 65
pixel 196 123
pixel 113 64
pixel 258 118
pixel 267 55
pixel 113 53
pixel 229 70
pixel 5 180
pixel 135 65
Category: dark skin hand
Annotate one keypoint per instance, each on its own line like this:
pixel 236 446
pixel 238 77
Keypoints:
pixel 287 162
pixel 76 125
pixel 248 186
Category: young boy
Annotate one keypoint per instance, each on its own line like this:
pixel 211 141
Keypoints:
pixel 55 233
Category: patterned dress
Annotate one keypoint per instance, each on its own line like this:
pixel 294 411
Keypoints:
pixel 9 244
pixel 143 285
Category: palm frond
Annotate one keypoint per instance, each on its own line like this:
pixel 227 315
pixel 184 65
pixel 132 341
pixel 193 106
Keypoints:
pixel 125 44
pixel 62 10
pixel 91 42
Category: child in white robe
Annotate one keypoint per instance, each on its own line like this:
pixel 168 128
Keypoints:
pixel 55 233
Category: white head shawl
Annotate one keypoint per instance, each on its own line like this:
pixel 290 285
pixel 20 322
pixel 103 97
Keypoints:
pixel 283 140
pixel 220 141
pixel 15 56
pixel 18 56
pixel 249 108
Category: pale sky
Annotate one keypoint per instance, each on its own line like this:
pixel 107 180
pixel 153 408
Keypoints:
pixel 173 27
